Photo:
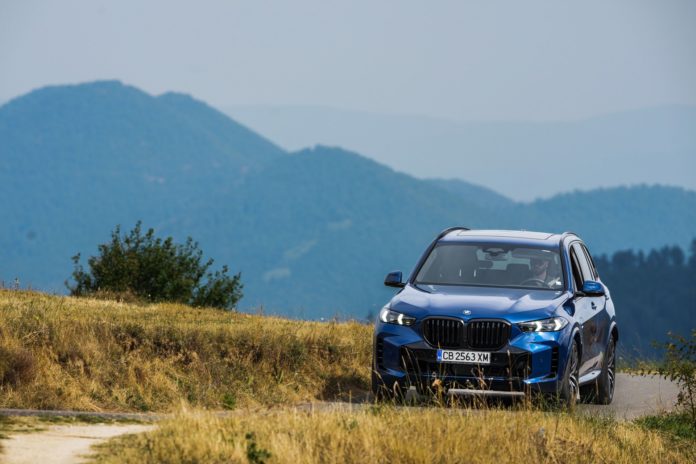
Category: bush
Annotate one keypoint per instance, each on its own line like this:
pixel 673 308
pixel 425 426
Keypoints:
pixel 680 366
pixel 155 269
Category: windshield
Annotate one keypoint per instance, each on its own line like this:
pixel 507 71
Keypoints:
pixel 492 265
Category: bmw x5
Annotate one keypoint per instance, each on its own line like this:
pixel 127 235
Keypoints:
pixel 498 313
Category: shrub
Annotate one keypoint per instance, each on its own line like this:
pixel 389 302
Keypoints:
pixel 680 366
pixel 154 269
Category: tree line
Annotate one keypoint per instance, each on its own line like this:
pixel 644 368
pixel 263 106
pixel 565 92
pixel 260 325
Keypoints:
pixel 654 293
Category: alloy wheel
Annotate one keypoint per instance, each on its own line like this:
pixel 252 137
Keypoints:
pixel 611 367
pixel 573 382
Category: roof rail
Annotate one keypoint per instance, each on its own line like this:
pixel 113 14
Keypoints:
pixel 451 229
pixel 566 234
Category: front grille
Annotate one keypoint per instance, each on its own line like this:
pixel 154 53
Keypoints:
pixel 444 333
pixel 487 335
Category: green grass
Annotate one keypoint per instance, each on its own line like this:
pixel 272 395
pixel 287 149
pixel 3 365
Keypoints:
pixel 676 428
pixel 9 425
pixel 677 425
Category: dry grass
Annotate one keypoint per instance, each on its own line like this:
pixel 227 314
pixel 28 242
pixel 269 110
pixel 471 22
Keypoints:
pixel 67 353
pixel 88 354
pixel 386 434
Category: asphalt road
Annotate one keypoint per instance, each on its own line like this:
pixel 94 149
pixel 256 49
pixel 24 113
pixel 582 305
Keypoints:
pixel 637 396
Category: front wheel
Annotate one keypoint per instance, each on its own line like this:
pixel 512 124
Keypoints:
pixel 570 386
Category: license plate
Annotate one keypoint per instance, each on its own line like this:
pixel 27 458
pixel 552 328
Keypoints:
pixel 463 357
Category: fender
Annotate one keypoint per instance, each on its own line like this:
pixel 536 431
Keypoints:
pixel 613 327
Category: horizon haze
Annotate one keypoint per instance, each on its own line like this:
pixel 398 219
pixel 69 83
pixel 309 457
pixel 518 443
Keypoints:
pixel 487 93
pixel 465 61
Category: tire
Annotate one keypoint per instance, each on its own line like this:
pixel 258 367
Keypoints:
pixel 601 391
pixel 569 390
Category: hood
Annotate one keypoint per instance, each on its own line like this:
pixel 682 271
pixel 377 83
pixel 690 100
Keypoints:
pixel 512 304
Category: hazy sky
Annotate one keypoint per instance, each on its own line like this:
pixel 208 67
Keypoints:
pixel 523 60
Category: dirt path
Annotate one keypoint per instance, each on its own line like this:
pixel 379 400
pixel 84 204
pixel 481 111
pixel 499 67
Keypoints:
pixel 62 444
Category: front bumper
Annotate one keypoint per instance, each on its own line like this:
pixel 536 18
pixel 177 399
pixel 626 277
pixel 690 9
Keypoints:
pixel 529 362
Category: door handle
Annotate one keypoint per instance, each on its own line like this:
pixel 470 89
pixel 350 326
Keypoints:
pixel 593 305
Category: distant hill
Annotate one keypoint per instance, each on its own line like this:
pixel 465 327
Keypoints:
pixel 608 219
pixel 77 160
pixel 480 195
pixel 322 226
pixel 313 232
pixel 521 160
pixel 621 218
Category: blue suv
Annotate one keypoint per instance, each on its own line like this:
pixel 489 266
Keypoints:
pixel 498 313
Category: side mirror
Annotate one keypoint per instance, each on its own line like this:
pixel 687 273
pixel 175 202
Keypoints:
pixel 393 279
pixel 592 288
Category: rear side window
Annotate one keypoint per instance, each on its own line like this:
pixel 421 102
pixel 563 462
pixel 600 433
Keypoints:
pixel 582 261
pixel 575 265
pixel 590 261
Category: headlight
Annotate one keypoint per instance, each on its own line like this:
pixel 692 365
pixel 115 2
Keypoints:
pixel 553 324
pixel 393 317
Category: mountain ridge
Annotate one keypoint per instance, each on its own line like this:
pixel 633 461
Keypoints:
pixel 313 231
pixel 628 147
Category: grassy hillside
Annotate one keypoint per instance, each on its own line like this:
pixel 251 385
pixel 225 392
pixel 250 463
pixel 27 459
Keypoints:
pixel 67 353
pixel 409 435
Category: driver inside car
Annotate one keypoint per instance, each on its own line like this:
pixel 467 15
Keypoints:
pixel 542 273
pixel 540 269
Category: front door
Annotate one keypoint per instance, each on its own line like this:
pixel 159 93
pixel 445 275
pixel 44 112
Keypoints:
pixel 587 309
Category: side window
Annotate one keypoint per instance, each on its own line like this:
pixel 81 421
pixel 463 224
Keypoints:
pixel 582 261
pixel 577 276
pixel 591 263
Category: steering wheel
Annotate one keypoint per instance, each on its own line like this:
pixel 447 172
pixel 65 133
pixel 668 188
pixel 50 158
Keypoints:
pixel 534 282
